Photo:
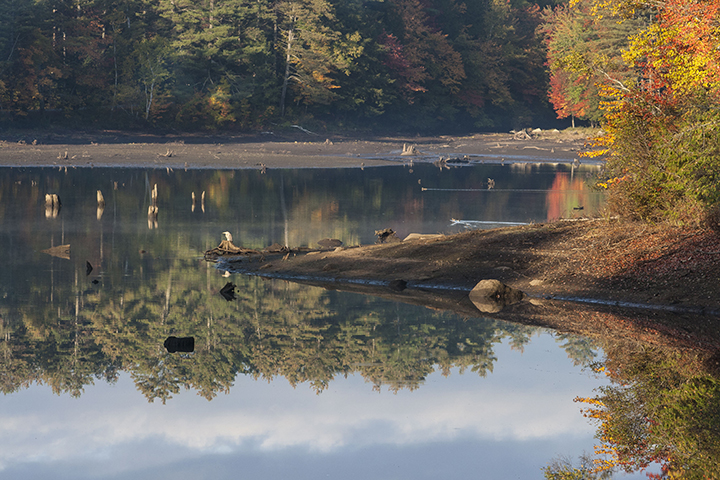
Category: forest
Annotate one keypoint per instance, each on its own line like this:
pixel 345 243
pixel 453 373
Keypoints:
pixel 247 65
pixel 646 72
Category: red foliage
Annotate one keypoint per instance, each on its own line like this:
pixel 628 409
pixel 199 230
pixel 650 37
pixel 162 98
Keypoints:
pixel 397 61
pixel 472 98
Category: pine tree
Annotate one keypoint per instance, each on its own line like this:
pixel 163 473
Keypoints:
pixel 315 53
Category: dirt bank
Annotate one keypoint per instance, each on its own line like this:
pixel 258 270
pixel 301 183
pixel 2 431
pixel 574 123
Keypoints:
pixel 588 276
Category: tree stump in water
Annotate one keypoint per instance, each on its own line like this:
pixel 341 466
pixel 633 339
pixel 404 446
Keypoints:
pixel 52 205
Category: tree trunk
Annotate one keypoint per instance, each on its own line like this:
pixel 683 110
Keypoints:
pixel 149 98
pixel 115 66
pixel 286 77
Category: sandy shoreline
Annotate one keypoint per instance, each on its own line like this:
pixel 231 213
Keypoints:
pixel 293 150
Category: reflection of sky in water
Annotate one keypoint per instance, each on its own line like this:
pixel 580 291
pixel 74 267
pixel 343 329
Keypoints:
pixel 507 425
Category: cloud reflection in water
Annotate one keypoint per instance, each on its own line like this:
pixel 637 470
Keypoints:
pixel 515 420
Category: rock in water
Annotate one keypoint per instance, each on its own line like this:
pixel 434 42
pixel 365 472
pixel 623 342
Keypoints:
pixel 276 248
pixel 398 285
pixel 228 292
pixel 491 296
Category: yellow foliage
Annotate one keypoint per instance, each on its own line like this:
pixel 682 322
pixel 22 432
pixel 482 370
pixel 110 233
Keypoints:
pixel 588 400
pixel 324 80
pixel 612 8
pixel 685 62
pixel 608 183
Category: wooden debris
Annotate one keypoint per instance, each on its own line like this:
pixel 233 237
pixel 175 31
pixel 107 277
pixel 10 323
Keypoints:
pixel 61 251
pixel 411 150
pixel 423 236
pixel 387 235
pixel 521 135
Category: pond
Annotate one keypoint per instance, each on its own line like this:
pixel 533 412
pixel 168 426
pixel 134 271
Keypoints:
pixel 285 381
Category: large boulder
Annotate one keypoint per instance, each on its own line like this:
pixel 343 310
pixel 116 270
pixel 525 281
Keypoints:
pixel 491 296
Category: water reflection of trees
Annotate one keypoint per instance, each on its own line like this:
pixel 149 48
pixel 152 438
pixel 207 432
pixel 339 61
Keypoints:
pixel 273 329
pixel 662 407
pixel 318 203
pixel 60 330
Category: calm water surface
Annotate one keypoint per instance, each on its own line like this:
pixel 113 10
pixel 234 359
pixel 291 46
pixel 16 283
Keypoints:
pixel 285 381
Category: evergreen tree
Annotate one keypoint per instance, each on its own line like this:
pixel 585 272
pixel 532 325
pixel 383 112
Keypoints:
pixel 315 53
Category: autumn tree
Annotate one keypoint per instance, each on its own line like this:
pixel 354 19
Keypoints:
pixel 239 64
pixel 663 125
pixel 661 408
pixel 584 53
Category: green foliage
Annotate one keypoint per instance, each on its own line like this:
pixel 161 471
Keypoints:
pixel 562 468
pixel 666 165
pixel 305 335
pixel 243 65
